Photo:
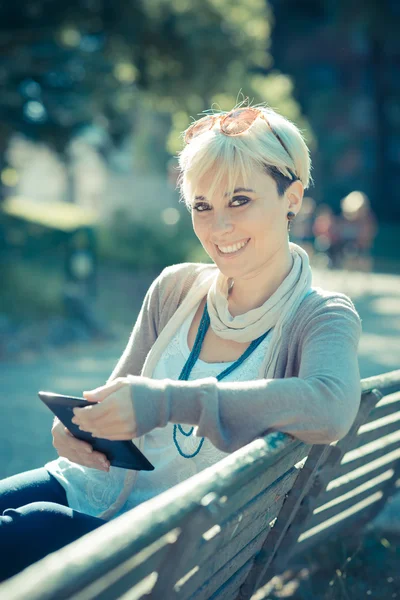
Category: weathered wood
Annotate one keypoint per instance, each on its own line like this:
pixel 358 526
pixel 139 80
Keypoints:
pixel 229 569
pixel 376 443
pixel 224 540
pixel 362 456
pixel 186 544
pixel 225 557
pixel 327 466
pixel 228 591
pixel 387 383
pixel 386 406
pixel 229 504
pixel 262 565
pixel 378 429
pixel 211 535
pixel 129 574
pixel 80 564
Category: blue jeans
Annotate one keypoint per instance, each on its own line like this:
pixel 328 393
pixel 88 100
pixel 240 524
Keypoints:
pixel 35 519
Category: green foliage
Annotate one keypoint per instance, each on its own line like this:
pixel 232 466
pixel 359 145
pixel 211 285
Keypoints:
pixel 31 288
pixel 114 63
pixel 146 245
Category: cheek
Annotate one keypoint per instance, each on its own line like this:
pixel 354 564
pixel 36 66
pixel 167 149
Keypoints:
pixel 200 228
pixel 264 225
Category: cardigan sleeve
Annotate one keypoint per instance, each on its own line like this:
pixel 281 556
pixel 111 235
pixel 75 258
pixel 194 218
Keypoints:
pixel 166 291
pixel 318 406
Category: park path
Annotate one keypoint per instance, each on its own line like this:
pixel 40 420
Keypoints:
pixel 25 439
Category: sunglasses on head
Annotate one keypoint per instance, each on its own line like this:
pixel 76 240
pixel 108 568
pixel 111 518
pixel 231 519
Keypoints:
pixel 235 122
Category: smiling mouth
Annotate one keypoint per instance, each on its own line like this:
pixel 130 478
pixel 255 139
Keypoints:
pixel 232 252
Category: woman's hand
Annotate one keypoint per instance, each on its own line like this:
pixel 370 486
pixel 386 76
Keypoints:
pixel 114 417
pixel 76 450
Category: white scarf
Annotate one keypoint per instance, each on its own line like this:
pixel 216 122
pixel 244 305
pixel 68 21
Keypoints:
pixel 274 313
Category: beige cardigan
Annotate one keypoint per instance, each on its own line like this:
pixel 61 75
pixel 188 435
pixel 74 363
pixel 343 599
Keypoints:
pixel 314 395
pixel 315 392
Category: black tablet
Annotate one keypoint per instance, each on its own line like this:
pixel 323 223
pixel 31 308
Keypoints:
pixel 122 453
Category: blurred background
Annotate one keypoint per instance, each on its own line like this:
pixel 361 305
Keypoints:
pixel 93 97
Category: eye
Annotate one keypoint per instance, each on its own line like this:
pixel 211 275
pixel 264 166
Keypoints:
pixel 201 207
pixel 241 199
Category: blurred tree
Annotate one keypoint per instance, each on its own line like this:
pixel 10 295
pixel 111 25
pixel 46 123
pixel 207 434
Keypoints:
pixel 131 64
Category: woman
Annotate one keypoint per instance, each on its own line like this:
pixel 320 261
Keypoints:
pixel 220 354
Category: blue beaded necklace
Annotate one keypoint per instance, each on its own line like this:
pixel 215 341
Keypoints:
pixel 194 355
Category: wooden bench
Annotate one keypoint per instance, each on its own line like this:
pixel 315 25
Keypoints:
pixel 226 532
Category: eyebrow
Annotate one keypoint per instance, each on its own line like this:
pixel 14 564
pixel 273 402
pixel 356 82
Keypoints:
pixel 235 191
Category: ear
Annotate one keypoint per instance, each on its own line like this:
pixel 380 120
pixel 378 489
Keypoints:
pixel 294 196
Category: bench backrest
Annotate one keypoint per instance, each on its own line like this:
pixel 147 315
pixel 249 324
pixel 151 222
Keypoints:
pixel 352 482
pixel 200 536
pixel 229 529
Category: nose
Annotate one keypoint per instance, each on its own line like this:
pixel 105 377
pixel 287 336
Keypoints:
pixel 221 224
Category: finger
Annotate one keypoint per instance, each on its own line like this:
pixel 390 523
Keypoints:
pixel 100 456
pixel 88 415
pixel 98 461
pixel 103 425
pixel 85 446
pixel 82 450
pixel 101 393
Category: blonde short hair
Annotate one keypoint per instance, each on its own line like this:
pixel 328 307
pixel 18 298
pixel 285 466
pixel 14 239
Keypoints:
pixel 230 157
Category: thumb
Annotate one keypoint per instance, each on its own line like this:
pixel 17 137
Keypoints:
pixel 101 393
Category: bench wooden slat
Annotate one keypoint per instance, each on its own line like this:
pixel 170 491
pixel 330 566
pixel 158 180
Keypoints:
pixel 229 590
pixel 346 484
pixel 380 428
pixel 229 569
pixel 328 465
pixel 247 522
pixel 278 539
pixel 131 573
pixel 216 564
pixel 226 507
pixel 384 448
pixel 385 460
pixel 365 450
pixel 222 558
pixel 386 406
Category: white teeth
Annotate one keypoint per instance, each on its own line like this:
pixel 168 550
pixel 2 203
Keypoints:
pixel 235 248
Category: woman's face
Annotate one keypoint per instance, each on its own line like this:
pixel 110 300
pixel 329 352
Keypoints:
pixel 242 233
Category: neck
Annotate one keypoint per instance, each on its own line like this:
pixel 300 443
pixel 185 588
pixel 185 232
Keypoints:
pixel 252 290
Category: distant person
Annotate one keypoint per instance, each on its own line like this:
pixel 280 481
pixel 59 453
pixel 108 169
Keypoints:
pixel 263 349
pixel 358 228
pixel 326 236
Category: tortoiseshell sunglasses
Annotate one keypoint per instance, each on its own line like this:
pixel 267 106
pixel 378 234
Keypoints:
pixel 235 122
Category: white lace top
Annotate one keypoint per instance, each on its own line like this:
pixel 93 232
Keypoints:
pixel 92 491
